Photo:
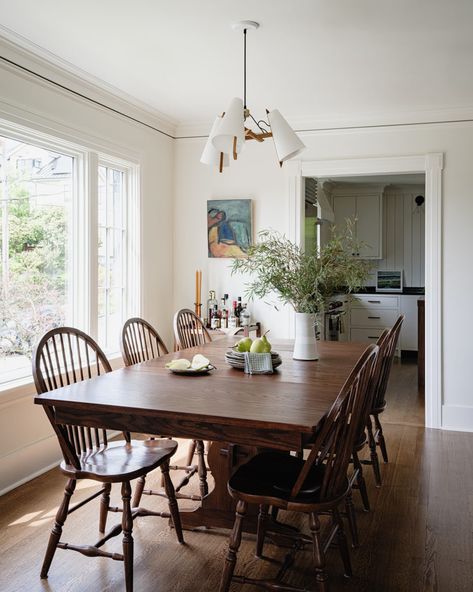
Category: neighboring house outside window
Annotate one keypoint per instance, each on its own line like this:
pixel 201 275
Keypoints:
pixel 48 276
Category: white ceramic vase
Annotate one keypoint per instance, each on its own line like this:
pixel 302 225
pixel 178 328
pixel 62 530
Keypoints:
pixel 305 347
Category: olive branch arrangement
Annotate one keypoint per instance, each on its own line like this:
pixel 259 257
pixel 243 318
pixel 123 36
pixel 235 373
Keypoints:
pixel 303 279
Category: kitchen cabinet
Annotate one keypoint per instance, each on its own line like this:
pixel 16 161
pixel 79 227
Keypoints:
pixel 367 210
pixel 408 337
pixel 370 314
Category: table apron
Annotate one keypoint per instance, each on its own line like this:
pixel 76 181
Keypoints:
pixel 182 428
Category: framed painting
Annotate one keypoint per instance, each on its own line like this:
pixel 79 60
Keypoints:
pixel 229 227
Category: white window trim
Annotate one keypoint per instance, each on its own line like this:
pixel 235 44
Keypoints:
pixel 84 229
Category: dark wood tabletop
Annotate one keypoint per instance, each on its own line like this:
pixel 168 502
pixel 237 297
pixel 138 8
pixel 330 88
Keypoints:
pixel 295 397
pixel 226 406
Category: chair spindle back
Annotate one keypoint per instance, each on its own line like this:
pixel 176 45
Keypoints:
pixel 334 443
pixel 140 342
pixel 387 356
pixel 65 356
pixel 374 381
pixel 189 330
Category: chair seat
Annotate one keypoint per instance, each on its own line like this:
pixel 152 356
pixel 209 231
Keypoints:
pixel 273 475
pixel 378 409
pixel 121 461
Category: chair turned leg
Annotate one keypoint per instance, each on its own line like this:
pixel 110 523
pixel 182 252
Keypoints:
pixel 191 452
pixel 373 453
pixel 351 516
pixel 342 544
pixel 127 527
pixel 104 506
pixel 140 485
pixel 202 469
pixel 360 482
pixel 381 440
pixel 172 502
pixel 56 532
pixel 263 513
pixel 233 546
pixel 321 576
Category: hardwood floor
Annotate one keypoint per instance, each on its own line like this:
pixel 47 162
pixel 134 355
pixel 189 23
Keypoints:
pixel 418 536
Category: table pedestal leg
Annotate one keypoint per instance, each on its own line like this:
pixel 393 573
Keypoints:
pixel 217 509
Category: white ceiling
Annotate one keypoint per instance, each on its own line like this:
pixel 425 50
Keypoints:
pixel 315 60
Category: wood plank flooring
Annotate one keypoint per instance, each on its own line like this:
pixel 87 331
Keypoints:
pixel 417 538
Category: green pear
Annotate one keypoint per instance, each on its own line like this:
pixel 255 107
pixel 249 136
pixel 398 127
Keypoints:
pixel 244 345
pixel 266 343
pixel 261 345
pixel 258 346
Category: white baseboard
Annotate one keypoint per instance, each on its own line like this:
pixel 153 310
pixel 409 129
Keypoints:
pixel 27 463
pixel 457 417
pixel 30 462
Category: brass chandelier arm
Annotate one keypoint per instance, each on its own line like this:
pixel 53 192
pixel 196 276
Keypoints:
pixel 251 135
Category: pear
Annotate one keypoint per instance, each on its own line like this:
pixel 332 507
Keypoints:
pixel 261 345
pixel 267 344
pixel 199 362
pixel 181 364
pixel 244 345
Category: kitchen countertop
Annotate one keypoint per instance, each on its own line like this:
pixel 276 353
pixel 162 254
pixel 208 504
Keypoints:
pixel 406 291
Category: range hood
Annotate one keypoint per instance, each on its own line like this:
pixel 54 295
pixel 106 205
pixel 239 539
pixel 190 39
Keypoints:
pixel 315 195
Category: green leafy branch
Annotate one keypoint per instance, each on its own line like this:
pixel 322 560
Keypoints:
pixel 303 279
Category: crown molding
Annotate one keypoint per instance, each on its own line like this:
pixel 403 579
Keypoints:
pixel 21 51
pixel 425 116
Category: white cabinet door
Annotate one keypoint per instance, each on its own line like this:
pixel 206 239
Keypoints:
pixel 369 225
pixel 408 337
pixel 344 206
pixel 367 209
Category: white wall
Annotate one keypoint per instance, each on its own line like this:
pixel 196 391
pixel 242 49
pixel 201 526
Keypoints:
pixel 404 234
pixel 26 441
pixel 257 175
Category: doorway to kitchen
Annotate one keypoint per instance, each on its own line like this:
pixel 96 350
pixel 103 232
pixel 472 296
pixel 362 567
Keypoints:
pixel 416 169
pixel 385 215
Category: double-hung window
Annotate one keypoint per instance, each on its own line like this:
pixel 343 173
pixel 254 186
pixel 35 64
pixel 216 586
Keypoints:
pixel 68 242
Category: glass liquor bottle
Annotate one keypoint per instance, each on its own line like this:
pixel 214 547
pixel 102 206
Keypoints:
pixel 215 323
pixel 245 317
pixel 232 320
pixel 223 315
pixel 211 302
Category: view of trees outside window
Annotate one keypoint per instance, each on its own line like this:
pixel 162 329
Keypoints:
pixel 35 201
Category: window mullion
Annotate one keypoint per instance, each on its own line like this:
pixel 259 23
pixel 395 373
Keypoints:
pixel 92 242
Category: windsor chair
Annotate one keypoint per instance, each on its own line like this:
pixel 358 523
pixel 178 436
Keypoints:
pixel 314 486
pixel 378 405
pixel 141 342
pixel 190 331
pixel 65 356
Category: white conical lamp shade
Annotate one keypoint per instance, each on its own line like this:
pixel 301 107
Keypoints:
pixel 286 141
pixel 232 126
pixel 211 155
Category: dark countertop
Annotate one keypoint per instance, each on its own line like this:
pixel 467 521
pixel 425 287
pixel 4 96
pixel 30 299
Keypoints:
pixel 406 291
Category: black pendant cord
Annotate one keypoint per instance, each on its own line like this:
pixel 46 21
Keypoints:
pixel 244 68
pixel 258 123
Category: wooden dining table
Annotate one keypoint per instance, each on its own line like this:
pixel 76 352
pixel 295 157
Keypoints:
pixel 236 412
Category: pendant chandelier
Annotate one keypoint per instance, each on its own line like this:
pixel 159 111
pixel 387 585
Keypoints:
pixel 231 129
